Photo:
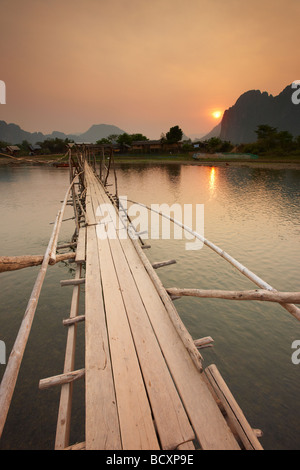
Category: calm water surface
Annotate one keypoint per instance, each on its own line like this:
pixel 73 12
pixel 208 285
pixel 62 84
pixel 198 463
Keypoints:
pixel 253 214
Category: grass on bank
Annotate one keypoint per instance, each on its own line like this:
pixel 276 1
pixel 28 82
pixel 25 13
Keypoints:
pixel 160 158
pixel 187 158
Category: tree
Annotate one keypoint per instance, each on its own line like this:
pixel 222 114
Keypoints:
pixel 163 138
pixel 110 139
pixel 129 138
pixel 215 144
pixel 285 140
pixel 265 132
pixel 54 146
pixel 121 139
pixel 103 141
pixel 3 144
pixel 266 136
pixel 174 135
pixel 138 137
pixel 24 145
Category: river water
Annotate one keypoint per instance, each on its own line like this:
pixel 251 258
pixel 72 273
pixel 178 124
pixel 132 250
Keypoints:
pixel 251 213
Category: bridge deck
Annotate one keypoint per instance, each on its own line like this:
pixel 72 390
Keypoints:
pixel 143 390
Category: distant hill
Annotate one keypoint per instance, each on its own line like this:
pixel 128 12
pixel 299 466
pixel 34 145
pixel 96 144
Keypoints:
pixel 13 134
pixel 215 132
pixel 254 108
pixel 97 132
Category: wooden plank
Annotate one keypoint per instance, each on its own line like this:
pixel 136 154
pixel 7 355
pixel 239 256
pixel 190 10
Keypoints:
pixel 65 405
pixel 186 446
pixel 172 312
pixel 102 424
pixel 209 425
pixel 81 246
pixel 136 424
pixel 90 216
pixel 234 412
pixel 170 417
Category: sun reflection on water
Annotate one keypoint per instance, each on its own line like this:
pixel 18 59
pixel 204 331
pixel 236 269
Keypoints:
pixel 212 179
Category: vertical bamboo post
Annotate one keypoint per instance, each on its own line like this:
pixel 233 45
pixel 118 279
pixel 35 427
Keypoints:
pixel 108 168
pixel 65 406
pixel 102 164
pixel 52 258
pixel 115 175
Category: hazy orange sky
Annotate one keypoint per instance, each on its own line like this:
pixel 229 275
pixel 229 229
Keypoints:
pixel 142 65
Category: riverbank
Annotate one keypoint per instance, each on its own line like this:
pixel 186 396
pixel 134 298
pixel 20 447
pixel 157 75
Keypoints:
pixel 279 163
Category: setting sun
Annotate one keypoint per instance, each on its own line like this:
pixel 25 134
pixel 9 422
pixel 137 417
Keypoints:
pixel 217 114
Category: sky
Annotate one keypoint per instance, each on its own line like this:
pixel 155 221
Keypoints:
pixel 141 65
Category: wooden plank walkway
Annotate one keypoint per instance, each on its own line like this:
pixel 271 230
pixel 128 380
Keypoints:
pixel 143 390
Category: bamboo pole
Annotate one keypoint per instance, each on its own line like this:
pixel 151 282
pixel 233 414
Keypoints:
pixel 163 263
pixel 257 294
pixel 115 176
pixel 52 257
pixel 72 164
pixel 107 172
pixel 72 282
pixel 73 321
pixel 203 342
pixel 61 379
pixel 13 263
pixel 125 214
pixel 291 308
pixel 10 376
pixel 232 409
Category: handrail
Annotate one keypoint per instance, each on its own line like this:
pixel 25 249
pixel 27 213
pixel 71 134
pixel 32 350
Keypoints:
pixel 11 373
pixel 291 308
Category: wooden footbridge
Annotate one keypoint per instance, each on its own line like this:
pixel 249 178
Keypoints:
pixel 145 386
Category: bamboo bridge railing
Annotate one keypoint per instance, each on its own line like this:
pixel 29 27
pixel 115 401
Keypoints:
pixel 83 168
